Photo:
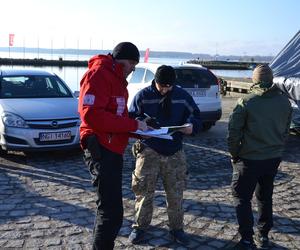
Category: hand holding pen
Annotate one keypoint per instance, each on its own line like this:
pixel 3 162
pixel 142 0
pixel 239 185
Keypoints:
pixel 151 121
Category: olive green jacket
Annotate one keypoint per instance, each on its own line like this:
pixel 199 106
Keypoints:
pixel 259 124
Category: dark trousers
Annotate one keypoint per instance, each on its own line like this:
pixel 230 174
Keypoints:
pixel 249 176
pixel 106 171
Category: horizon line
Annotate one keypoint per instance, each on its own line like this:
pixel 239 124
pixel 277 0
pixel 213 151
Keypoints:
pixel 41 49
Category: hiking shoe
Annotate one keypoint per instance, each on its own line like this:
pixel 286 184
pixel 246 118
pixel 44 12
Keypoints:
pixel 180 237
pixel 136 236
pixel 262 242
pixel 245 245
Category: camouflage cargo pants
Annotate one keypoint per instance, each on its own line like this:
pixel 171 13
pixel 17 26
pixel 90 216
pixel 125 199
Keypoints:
pixel 149 167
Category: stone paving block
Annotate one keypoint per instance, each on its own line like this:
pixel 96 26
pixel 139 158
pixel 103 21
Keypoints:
pixel 15 244
pixel 2 243
pixel 36 234
pixel 218 244
pixel 5 207
pixel 34 243
pixel 55 248
pixel 74 247
pixel 207 248
pixel 52 242
pixel 157 242
pixel 73 231
pixel 10 235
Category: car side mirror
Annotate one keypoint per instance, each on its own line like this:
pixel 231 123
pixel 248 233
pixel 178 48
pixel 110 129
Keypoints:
pixel 76 93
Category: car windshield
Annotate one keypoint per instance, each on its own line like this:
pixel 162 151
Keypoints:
pixel 189 78
pixel 32 87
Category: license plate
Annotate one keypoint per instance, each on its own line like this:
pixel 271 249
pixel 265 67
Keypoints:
pixel 197 92
pixel 55 136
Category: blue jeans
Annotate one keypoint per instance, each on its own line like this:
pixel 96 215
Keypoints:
pixel 251 176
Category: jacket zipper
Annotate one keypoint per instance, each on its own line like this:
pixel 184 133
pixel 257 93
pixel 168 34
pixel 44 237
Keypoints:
pixel 109 138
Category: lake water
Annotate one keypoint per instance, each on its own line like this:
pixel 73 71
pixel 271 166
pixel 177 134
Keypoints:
pixel 73 75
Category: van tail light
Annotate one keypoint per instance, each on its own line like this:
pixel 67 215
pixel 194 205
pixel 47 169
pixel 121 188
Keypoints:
pixel 219 82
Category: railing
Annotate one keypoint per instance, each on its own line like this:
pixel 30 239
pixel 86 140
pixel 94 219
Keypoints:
pixel 237 86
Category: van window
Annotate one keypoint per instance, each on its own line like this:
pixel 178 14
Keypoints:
pixel 195 78
pixel 137 75
pixel 149 76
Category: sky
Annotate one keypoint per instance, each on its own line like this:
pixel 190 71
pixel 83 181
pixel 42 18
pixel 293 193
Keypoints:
pixel 224 27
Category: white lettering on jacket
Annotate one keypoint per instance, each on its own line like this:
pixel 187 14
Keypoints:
pixel 89 99
pixel 121 105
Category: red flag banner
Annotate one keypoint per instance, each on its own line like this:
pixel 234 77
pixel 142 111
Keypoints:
pixel 146 55
pixel 11 39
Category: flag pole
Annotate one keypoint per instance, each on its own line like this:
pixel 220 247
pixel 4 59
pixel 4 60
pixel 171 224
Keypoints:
pixel 64 47
pixel 23 47
pixel 38 47
pixel 51 48
pixel 77 48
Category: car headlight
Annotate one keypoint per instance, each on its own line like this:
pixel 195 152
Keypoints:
pixel 12 120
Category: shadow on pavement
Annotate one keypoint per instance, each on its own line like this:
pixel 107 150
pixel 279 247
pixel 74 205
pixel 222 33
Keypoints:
pixel 27 193
pixel 292 149
pixel 160 237
pixel 64 167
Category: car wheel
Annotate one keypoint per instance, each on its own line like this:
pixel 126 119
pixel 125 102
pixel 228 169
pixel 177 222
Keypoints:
pixel 206 126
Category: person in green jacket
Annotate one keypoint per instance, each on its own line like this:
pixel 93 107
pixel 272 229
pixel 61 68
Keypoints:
pixel 257 130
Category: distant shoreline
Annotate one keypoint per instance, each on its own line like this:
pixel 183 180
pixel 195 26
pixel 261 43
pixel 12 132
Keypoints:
pixel 43 62
pixel 155 54
pixel 83 63
pixel 225 64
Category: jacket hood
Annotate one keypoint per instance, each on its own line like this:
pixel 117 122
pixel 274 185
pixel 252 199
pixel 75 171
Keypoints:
pixel 100 60
pixel 261 89
pixel 107 62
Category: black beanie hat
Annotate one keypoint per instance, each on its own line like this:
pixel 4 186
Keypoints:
pixel 165 75
pixel 126 50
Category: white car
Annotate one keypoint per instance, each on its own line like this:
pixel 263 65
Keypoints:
pixel 199 81
pixel 38 112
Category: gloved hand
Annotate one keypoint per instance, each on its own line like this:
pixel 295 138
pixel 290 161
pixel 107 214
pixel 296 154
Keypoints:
pixel 152 122
pixel 142 125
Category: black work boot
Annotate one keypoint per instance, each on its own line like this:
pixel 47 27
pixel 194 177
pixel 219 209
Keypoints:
pixel 136 235
pixel 180 237
pixel 262 241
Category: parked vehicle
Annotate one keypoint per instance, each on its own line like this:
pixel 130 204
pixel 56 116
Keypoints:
pixel 38 112
pixel 200 82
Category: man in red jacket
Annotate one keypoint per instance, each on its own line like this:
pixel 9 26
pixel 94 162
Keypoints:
pixel 104 134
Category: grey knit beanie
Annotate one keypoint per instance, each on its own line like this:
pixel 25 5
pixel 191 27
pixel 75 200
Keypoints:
pixel 262 74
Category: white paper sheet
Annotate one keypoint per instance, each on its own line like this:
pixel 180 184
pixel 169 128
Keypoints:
pixel 159 133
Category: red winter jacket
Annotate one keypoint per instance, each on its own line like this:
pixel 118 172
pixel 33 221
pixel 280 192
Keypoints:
pixel 103 104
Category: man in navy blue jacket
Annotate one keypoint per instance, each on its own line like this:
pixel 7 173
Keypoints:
pixel 169 105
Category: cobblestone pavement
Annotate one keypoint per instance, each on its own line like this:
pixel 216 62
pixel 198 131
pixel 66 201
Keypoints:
pixel 47 201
